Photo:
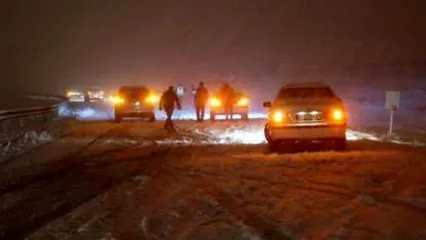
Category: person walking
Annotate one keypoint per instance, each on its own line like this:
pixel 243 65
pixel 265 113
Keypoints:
pixel 200 100
pixel 167 102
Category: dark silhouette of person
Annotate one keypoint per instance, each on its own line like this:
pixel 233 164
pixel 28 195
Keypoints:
pixel 86 96
pixel 227 94
pixel 167 102
pixel 200 100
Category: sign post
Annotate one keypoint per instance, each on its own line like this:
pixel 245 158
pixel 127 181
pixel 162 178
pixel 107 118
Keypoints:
pixel 392 104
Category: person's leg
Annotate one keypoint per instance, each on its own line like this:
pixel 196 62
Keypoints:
pixel 169 119
pixel 203 111
pixel 197 110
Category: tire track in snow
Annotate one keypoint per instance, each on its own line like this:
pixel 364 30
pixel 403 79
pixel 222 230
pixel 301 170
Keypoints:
pixel 67 163
pixel 259 227
pixel 66 194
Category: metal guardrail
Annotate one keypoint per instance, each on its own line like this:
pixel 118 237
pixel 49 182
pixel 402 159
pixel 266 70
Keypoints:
pixel 13 122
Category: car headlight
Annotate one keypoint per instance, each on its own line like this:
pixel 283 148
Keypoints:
pixel 337 114
pixel 242 102
pixel 214 102
pixel 152 99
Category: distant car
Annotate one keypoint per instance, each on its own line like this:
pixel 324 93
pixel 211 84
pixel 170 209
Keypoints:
pixel 306 112
pixel 75 96
pixel 240 106
pixel 135 101
pixel 94 94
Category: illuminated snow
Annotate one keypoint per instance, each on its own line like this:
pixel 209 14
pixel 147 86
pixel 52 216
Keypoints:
pixel 223 134
pixel 242 136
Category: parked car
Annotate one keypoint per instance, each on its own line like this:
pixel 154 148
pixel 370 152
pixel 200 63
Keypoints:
pixel 306 112
pixel 239 103
pixel 94 94
pixel 135 101
pixel 75 96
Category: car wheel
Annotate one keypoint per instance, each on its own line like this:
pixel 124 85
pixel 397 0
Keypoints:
pixel 117 118
pixel 152 118
pixel 274 146
pixel 340 144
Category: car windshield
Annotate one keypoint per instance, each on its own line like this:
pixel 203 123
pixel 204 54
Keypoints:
pixel 133 92
pixel 293 93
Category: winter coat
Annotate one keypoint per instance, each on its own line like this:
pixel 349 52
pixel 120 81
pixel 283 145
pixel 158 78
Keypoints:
pixel 201 96
pixel 168 100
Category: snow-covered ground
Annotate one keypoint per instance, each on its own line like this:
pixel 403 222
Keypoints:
pixel 367 113
pixel 133 180
pixel 209 181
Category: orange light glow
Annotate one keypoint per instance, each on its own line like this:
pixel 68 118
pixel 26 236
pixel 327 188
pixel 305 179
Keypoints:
pixel 338 115
pixel 242 102
pixel 214 102
pixel 278 116
pixel 153 99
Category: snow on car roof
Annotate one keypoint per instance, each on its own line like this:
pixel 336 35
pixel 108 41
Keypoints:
pixel 305 85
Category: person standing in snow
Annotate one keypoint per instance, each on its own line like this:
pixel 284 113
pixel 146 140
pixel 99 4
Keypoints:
pixel 228 95
pixel 200 100
pixel 167 102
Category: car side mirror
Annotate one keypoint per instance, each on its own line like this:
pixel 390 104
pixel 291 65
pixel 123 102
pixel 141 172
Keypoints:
pixel 267 104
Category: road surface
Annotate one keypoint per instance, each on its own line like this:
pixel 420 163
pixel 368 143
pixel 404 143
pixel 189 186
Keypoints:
pixel 133 180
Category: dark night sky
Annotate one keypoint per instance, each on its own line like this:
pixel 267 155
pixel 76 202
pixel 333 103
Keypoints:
pixel 55 44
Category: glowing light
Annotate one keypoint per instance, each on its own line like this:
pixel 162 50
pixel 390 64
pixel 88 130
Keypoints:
pixel 337 114
pixel 243 102
pixel 278 116
pixel 72 93
pixel 116 100
pixel 214 102
pixel 153 98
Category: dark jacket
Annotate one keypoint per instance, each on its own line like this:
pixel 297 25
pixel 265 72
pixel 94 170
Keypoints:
pixel 228 96
pixel 168 100
pixel 201 96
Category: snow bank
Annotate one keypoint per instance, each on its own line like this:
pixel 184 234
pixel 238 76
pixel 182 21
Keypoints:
pixel 27 141
pixel 366 109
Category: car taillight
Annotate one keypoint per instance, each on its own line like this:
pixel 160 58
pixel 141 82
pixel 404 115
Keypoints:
pixel 277 116
pixel 152 99
pixel 116 100
pixel 337 114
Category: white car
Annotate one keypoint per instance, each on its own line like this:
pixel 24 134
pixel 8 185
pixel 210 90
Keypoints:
pixel 306 112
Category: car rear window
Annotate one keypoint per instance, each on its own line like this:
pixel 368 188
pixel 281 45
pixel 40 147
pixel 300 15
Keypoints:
pixel 292 93
pixel 133 92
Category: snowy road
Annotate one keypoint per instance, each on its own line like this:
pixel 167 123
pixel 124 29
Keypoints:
pixel 216 181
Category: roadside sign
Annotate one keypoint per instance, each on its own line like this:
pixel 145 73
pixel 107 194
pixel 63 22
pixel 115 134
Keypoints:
pixel 392 104
pixel 392 100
